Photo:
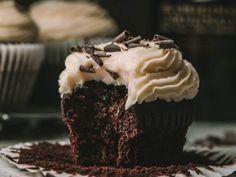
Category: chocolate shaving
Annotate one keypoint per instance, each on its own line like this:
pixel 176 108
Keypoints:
pixel 97 59
pixel 76 49
pixel 89 48
pixel 114 75
pixel 166 44
pixel 102 54
pixel 133 45
pixel 87 69
pixel 121 37
pixel 112 48
pixel 134 40
pixel 158 37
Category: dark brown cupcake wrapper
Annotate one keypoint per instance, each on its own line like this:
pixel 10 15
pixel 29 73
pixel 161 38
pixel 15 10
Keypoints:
pixel 163 115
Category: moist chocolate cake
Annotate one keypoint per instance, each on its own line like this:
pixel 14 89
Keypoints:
pixel 127 102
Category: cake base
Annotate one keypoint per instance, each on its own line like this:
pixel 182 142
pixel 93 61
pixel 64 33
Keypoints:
pixel 103 133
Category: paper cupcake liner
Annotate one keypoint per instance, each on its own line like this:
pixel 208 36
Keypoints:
pixel 11 156
pixel 165 115
pixel 18 71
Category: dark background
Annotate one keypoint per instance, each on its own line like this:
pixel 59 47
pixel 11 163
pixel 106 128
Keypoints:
pixel 206 34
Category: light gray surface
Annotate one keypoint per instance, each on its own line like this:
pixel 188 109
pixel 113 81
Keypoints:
pixel 197 130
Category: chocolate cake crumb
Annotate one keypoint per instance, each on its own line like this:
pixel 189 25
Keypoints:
pixel 58 157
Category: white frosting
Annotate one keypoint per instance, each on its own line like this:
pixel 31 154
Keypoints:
pixel 15 26
pixel 60 20
pixel 149 73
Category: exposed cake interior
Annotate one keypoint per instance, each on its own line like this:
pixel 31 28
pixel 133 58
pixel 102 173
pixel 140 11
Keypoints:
pixel 102 132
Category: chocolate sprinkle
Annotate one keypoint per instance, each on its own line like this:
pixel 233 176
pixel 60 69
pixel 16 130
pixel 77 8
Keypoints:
pixel 97 59
pixel 134 40
pixel 114 75
pixel 76 49
pixel 121 37
pixel 112 48
pixel 89 48
pixel 102 54
pixel 166 44
pixel 158 37
pixel 133 45
pixel 87 69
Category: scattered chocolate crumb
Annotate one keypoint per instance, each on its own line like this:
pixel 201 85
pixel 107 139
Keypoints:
pixel 112 48
pixel 76 49
pixel 102 54
pixel 58 157
pixel 114 75
pixel 122 36
pixel 134 40
pixel 97 59
pixel 229 139
pixel 87 69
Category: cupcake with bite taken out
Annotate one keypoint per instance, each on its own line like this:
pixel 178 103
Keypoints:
pixel 127 102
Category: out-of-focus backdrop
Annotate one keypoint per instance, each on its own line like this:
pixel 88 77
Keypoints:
pixel 205 30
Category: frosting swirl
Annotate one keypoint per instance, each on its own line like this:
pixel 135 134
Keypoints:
pixel 149 73
pixel 60 20
pixel 15 26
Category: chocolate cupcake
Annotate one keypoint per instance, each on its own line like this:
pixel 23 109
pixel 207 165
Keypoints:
pixel 127 102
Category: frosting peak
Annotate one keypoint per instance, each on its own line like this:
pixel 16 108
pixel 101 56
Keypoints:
pixel 148 71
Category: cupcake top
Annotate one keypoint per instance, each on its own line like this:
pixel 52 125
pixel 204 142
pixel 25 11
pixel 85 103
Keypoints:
pixel 150 70
pixel 60 20
pixel 15 26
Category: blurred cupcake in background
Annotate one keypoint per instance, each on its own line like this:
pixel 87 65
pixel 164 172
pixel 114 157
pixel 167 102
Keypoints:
pixel 20 59
pixel 63 20
pixel 62 24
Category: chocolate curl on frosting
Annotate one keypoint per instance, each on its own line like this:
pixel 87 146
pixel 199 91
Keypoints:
pixel 76 49
pixel 133 45
pixel 89 48
pixel 134 40
pixel 166 44
pixel 97 59
pixel 158 37
pixel 121 37
pixel 112 48
pixel 87 69
pixel 114 75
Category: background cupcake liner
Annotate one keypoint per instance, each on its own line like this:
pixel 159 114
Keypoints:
pixel 10 156
pixel 19 66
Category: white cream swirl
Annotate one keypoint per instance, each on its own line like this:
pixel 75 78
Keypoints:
pixel 149 73
pixel 15 26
